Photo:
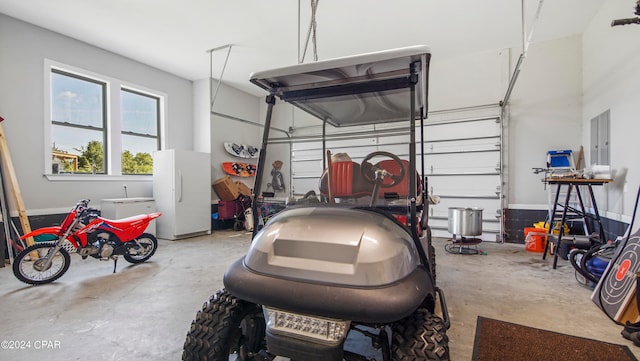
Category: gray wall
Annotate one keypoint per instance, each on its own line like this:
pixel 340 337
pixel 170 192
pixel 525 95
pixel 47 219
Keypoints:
pixel 23 48
pixel 545 113
pixel 610 61
pixel 235 104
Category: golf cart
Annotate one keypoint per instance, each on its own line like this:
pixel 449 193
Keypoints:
pixel 358 264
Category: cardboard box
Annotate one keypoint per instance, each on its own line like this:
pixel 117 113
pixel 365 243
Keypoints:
pixel 226 189
pixel 243 189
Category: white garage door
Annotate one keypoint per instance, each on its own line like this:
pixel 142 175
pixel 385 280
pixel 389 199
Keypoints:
pixel 464 169
pixel 463 164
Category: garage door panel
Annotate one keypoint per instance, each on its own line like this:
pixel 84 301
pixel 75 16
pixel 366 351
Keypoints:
pixel 312 168
pixel 485 162
pixel 442 209
pixel 463 145
pixel 460 186
pixel 467 129
pixel 304 185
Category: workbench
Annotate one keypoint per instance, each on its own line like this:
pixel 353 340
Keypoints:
pixel 564 205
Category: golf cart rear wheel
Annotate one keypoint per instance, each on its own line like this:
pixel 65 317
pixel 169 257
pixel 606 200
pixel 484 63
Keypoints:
pixel 420 336
pixel 224 327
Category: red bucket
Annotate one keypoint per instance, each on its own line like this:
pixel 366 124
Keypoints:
pixel 536 242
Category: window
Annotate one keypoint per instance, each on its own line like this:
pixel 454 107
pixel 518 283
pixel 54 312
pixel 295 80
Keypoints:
pixel 140 120
pixel 99 125
pixel 77 124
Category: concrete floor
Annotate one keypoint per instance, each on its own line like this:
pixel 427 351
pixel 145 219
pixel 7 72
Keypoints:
pixel 143 312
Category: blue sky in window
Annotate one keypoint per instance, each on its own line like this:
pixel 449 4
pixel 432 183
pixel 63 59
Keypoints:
pixel 76 101
pixel 139 113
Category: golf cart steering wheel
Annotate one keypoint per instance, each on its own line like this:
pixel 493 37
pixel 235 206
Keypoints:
pixel 376 175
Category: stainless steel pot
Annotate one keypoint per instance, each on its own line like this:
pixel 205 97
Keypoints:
pixel 465 221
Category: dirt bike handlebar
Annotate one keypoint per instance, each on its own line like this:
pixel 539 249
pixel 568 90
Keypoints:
pixel 82 204
pixel 83 210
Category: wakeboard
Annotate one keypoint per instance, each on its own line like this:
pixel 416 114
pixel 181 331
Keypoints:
pixel 239 169
pixel 241 150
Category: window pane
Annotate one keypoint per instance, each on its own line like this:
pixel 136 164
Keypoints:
pixel 76 101
pixel 85 143
pixel 139 113
pixel 137 154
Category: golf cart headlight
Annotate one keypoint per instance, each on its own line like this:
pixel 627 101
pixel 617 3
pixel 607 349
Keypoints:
pixel 323 329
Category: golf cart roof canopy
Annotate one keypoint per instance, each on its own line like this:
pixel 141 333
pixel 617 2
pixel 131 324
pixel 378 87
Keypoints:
pixel 363 89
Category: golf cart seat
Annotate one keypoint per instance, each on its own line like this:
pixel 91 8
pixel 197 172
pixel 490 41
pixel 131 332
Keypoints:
pixel 346 181
pixel 401 190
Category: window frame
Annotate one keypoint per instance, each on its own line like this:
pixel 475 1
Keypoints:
pixel 159 118
pixel 113 125
pixel 103 129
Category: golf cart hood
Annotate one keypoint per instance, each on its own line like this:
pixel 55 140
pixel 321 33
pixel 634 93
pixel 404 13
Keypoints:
pixel 334 262
pixel 356 90
pixel 333 246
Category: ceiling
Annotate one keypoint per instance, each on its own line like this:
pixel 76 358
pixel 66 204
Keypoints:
pixel 174 35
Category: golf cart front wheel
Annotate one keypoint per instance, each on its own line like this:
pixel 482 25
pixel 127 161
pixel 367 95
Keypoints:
pixel 420 336
pixel 226 329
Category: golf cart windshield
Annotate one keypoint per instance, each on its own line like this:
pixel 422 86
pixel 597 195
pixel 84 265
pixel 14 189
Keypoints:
pixel 356 102
pixel 357 90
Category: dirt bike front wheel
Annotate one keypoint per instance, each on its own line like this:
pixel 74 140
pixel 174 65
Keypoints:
pixel 48 267
pixel 146 247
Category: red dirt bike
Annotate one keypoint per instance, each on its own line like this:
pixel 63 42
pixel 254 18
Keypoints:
pixel 84 232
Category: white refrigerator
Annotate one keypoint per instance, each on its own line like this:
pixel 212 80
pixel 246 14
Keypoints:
pixel 182 192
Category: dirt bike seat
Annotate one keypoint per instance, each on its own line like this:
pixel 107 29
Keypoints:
pixel 125 222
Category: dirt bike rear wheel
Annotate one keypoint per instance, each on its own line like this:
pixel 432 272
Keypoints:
pixel 148 245
pixel 35 272
pixel 225 326
pixel 420 336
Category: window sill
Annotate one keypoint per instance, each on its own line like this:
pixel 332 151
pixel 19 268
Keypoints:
pixel 98 177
